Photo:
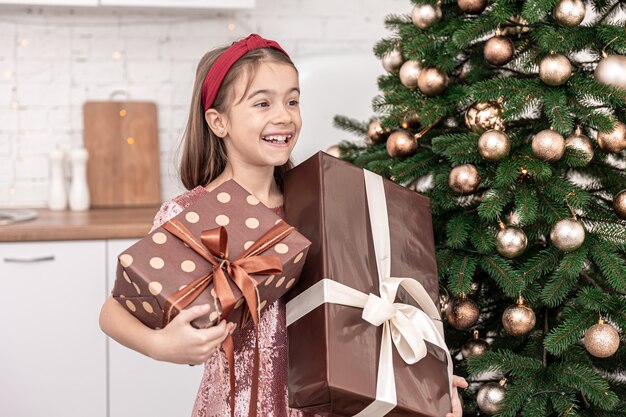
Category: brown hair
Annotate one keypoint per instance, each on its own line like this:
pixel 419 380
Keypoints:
pixel 204 154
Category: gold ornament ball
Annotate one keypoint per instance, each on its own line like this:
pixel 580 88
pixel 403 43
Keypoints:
pixel 548 145
pixel 481 117
pixel 569 13
pixel 615 140
pixel 472 6
pixel 464 179
pixel 334 151
pixel 409 73
pixel 401 144
pixel 462 313
pixel 490 396
pixel 494 145
pixel 601 340
pixel 518 319
pixel 567 234
pixel 425 15
pixel 511 241
pixel 619 204
pixel 499 50
pixel 555 69
pixel 474 347
pixel 376 133
pixel 432 81
pixel 392 61
pixel 611 70
pixel 581 143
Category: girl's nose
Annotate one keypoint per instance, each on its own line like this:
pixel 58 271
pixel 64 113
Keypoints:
pixel 282 115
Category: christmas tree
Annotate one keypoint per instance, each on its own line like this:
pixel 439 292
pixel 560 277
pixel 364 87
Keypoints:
pixel 510 115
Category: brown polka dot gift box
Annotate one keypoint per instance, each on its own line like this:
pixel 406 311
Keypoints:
pixel 364 330
pixel 227 250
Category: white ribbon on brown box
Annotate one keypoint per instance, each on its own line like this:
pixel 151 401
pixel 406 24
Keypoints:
pixel 407 326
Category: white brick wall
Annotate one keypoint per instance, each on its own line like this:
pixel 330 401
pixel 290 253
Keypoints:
pixel 54 59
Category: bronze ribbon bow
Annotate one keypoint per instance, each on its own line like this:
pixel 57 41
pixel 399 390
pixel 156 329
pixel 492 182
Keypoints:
pixel 213 246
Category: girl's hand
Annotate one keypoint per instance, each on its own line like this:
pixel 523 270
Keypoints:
pixel 457 410
pixel 180 342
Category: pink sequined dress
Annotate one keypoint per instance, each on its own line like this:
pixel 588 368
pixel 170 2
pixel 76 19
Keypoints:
pixel 213 395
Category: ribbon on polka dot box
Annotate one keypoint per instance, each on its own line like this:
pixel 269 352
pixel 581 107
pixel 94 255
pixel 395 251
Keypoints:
pixel 227 250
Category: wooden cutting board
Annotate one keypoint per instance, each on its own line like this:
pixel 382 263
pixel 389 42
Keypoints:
pixel 123 144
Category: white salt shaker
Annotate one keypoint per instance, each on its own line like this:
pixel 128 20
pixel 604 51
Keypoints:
pixel 57 196
pixel 79 191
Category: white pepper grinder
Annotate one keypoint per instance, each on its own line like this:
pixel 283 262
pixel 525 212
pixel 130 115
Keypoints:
pixel 57 196
pixel 79 191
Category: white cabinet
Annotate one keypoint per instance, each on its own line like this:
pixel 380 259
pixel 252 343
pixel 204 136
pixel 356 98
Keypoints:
pixel 52 352
pixel 140 386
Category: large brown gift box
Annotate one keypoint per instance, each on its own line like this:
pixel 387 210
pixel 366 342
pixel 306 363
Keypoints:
pixel 162 266
pixel 333 351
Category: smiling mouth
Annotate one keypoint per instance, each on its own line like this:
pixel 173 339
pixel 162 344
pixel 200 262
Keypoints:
pixel 277 139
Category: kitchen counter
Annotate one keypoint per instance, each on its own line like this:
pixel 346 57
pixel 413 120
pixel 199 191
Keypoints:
pixel 103 223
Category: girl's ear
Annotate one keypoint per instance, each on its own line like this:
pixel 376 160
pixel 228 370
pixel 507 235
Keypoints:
pixel 216 122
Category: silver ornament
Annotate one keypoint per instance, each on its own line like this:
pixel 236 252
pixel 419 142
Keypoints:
pixel 611 70
pixel 490 396
pixel 401 143
pixel 619 204
pixel 474 347
pixel 518 319
pixel 498 50
pixel 613 141
pixel 567 234
pixel 432 81
pixel 409 72
pixel 494 145
pixel 511 241
pixel 569 13
pixel 555 69
pixel 548 145
pixel 581 143
pixel 464 179
pixel 392 61
pixel 425 15
pixel 601 340
pixel 472 6
pixel 481 117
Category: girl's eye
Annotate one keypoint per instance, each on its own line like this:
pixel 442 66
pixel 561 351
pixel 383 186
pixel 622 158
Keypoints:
pixel 293 102
pixel 262 104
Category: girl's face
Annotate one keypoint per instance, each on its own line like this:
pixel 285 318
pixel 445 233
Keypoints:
pixel 264 122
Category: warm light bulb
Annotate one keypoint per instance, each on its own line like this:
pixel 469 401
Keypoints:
pixel 117 55
pixel 231 26
pixel 130 140
pixel 12 191
pixel 8 74
pixel 123 113
pixel 23 42
pixel 15 104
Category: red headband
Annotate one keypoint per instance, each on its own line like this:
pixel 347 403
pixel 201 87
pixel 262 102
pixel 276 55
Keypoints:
pixel 219 69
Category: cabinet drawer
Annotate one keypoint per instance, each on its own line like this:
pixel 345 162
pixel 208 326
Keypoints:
pixel 53 355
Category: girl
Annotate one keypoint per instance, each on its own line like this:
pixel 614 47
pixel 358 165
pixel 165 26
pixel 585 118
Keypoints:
pixel 243 124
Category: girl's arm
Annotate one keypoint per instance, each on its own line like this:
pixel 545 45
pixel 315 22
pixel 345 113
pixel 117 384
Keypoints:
pixel 178 342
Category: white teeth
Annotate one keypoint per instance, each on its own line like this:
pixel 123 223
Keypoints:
pixel 277 138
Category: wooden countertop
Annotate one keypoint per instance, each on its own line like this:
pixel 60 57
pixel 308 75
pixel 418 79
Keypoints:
pixel 105 223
